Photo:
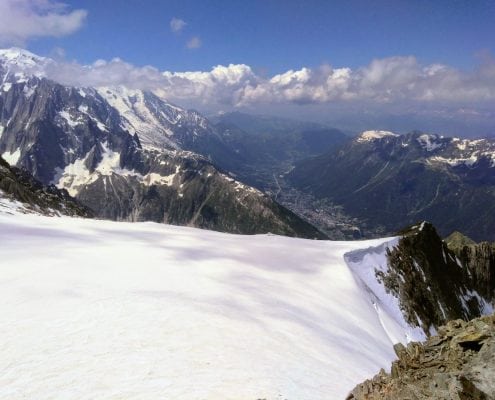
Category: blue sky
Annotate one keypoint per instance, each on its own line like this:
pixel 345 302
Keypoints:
pixel 274 36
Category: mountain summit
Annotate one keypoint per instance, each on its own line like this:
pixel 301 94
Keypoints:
pixel 127 154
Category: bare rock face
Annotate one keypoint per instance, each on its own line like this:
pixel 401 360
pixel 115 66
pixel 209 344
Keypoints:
pixel 457 364
pixel 432 284
pixel 479 259
pixel 19 185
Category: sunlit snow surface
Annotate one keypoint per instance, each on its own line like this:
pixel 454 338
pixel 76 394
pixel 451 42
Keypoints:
pixel 105 310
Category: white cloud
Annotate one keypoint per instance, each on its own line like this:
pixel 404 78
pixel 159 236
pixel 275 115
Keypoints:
pixel 395 85
pixel 21 20
pixel 384 81
pixel 104 73
pixel 177 25
pixel 194 43
pixel 58 53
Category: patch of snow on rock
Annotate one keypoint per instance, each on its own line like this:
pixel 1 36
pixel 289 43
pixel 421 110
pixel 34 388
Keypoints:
pixel 368 136
pixel 12 157
pixel 428 142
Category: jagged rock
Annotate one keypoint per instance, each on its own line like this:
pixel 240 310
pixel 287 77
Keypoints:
pixel 17 184
pixel 431 284
pixel 479 258
pixel 458 240
pixel 457 364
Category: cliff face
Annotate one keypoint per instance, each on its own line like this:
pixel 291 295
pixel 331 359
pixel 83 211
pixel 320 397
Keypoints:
pixel 479 258
pixel 457 364
pixel 435 281
pixel 431 283
pixel 19 185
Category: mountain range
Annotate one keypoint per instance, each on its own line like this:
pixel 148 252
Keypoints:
pixel 127 154
pixel 164 310
pixel 386 181
pixel 267 147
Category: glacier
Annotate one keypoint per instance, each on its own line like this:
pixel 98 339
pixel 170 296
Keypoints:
pixel 99 309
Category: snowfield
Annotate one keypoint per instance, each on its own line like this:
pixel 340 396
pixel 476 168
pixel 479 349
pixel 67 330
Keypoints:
pixel 110 310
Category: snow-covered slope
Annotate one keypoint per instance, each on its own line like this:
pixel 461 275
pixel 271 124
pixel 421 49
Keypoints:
pixel 19 65
pixel 157 123
pixel 99 309
pixel 365 263
pixel 368 136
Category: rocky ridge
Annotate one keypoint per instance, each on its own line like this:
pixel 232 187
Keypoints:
pixel 432 284
pixel 479 258
pixel 456 364
pixel 17 185
pixel 424 279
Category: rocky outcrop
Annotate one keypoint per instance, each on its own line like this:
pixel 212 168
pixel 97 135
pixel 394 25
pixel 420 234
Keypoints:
pixel 457 240
pixel 479 258
pixel 432 285
pixel 456 364
pixel 17 184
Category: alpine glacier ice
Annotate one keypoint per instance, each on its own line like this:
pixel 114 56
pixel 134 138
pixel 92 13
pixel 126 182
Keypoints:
pixel 100 309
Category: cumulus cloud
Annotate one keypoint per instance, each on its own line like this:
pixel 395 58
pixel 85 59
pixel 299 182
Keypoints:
pixel 21 20
pixel 177 25
pixel 384 81
pixel 194 43
pixel 396 85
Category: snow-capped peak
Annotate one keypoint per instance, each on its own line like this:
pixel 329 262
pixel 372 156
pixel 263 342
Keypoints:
pixel 368 136
pixel 20 65
pixel 154 119
pixel 21 58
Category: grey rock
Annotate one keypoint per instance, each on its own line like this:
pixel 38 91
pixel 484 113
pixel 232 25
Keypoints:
pixel 19 185
pixel 457 364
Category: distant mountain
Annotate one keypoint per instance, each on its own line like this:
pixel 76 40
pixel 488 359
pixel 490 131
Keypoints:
pixel 127 154
pixel 20 192
pixel 267 146
pixel 388 180
pixel 257 124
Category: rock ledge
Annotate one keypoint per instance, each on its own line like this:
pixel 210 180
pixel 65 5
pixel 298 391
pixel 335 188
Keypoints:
pixel 457 364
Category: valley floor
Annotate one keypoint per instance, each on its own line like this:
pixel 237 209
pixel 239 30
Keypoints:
pixel 103 310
